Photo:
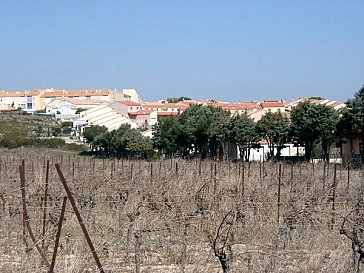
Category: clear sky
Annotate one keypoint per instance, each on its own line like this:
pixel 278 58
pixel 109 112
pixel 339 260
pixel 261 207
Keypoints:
pixel 226 50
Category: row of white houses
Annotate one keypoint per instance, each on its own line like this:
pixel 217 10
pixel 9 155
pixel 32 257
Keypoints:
pixel 113 114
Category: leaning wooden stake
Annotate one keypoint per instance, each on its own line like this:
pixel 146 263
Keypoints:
pixel 215 186
pixel 333 199
pixel 279 192
pixel 324 178
pixel 58 235
pixel 184 248
pixel 151 172
pixel 348 185
pixel 292 170
pixel 199 168
pixel 131 172
pixel 45 204
pixel 242 183
pixel 25 214
pixel 80 221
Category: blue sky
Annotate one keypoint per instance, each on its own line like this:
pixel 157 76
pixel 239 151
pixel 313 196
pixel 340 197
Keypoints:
pixel 226 50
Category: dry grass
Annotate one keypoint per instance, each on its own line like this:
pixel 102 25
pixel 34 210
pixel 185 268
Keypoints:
pixel 176 200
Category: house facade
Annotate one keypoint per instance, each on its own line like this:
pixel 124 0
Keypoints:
pixel 37 99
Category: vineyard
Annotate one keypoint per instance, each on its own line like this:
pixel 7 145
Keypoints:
pixel 176 215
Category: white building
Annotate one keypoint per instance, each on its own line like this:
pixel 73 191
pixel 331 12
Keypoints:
pixel 102 115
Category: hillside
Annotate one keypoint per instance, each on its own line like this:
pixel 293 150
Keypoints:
pixel 22 130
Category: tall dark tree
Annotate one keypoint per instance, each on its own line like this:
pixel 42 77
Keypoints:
pixel 346 127
pixel 351 124
pixel 136 144
pixel 274 129
pixel 104 142
pixel 218 132
pixel 124 142
pixel 244 134
pixel 313 122
pixel 175 100
pixel 201 130
pixel 166 136
pixel 90 133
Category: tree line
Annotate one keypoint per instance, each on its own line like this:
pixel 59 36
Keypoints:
pixel 203 132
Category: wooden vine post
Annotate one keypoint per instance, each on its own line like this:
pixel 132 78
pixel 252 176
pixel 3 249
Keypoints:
pixel 279 192
pixel 333 198
pixel 26 216
pixel 58 236
pixel 79 218
pixel 45 204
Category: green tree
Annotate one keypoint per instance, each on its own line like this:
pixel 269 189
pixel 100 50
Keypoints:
pixel 137 145
pixel 104 142
pixel 274 129
pixel 90 133
pixel 311 123
pixel 202 130
pixel 351 123
pixel 129 142
pixel 66 127
pixel 39 131
pixel 66 124
pixel 244 134
pixel 124 142
pixel 346 127
pixel 79 110
pixel 175 100
pixel 56 131
pixel 166 135
pixel 218 132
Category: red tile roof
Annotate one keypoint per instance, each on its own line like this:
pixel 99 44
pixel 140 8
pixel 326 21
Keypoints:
pixel 141 112
pixel 272 103
pixel 164 105
pixel 34 92
pixel 75 93
pixel 84 102
pixel 189 102
pixel 129 103
pixel 162 114
pixel 219 104
pixel 12 94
